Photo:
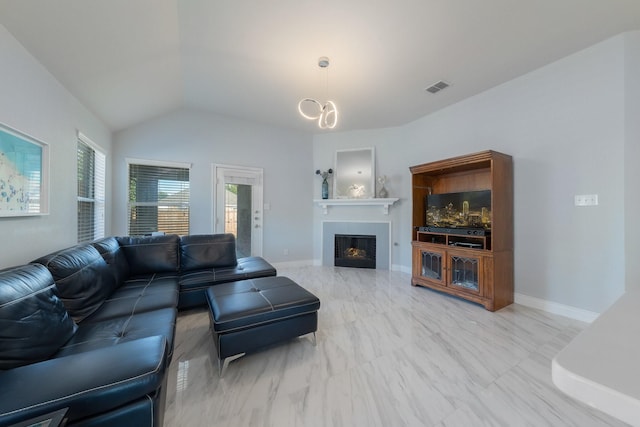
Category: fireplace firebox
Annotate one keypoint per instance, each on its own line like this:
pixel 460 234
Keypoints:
pixel 355 250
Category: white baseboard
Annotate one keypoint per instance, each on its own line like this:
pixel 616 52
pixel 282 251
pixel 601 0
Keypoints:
pixel 556 308
pixel 401 268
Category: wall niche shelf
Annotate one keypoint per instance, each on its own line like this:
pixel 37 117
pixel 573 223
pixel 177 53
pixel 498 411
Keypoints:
pixel 384 203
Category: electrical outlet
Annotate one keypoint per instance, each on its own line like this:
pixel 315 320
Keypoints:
pixel 586 200
pixel 286 251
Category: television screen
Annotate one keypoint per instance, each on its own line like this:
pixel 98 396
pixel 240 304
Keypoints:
pixel 466 209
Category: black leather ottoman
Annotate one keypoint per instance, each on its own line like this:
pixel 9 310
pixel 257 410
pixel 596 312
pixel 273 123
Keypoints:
pixel 250 314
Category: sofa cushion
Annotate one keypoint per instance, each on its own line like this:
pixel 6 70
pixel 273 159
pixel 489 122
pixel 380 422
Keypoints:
pixel 34 323
pixel 247 268
pixel 151 254
pixel 83 278
pixel 107 333
pixel 207 251
pixel 139 295
pixel 110 250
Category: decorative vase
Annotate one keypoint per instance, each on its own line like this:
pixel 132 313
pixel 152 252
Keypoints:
pixel 383 193
pixel 325 189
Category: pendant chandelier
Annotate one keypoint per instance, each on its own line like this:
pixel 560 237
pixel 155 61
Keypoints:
pixel 312 109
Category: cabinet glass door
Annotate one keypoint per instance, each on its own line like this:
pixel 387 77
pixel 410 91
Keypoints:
pixel 431 265
pixel 465 273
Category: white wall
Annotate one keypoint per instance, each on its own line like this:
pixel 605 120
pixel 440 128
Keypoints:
pixel 33 102
pixel 632 160
pixel 564 126
pixel 391 160
pixel 284 155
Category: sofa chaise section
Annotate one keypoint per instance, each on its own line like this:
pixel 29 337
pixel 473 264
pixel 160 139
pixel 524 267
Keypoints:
pixel 210 259
pixel 42 372
pixel 127 388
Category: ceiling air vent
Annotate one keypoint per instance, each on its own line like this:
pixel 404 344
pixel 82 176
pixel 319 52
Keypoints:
pixel 437 87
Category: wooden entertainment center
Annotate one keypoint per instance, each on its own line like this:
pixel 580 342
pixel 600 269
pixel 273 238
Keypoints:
pixel 475 264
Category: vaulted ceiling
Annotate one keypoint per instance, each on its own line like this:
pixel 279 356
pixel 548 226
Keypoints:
pixel 131 60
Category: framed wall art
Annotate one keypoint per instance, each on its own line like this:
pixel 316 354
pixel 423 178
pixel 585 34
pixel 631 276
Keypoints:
pixel 24 173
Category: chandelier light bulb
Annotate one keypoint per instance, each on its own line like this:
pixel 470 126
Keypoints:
pixel 327 113
pixel 329 117
pixel 308 101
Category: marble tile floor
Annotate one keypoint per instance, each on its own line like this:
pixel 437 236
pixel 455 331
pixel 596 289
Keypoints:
pixel 387 354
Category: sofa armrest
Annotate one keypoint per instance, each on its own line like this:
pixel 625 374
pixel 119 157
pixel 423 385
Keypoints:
pixel 87 383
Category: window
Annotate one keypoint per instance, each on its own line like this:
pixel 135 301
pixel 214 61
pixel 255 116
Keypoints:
pixel 91 190
pixel 158 198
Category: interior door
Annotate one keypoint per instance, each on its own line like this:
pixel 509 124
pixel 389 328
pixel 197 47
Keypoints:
pixel 238 206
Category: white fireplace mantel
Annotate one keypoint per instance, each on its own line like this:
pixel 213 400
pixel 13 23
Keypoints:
pixel 384 203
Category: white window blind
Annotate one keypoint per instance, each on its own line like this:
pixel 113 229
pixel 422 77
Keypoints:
pixel 91 190
pixel 239 177
pixel 158 199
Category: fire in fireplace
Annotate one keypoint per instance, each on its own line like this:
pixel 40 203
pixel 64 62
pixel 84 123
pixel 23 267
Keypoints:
pixel 357 251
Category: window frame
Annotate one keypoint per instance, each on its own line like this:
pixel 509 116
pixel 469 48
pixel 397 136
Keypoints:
pixel 99 189
pixel 158 164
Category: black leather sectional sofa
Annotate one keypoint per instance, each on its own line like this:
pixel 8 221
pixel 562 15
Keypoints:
pixel 88 331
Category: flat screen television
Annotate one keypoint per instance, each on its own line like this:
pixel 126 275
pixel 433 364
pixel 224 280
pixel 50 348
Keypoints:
pixel 467 209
